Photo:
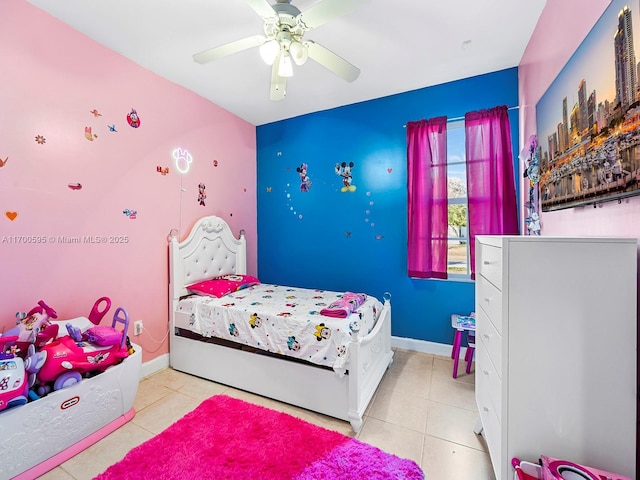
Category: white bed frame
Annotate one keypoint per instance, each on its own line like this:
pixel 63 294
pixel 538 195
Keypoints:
pixel 211 250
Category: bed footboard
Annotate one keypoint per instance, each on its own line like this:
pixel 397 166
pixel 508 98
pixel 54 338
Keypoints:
pixel 370 356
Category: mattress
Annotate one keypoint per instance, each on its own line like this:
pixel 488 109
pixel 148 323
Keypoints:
pixel 282 320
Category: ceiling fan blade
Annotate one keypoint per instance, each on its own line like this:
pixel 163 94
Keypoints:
pixel 262 8
pixel 278 83
pixel 327 10
pixel 331 61
pixel 228 49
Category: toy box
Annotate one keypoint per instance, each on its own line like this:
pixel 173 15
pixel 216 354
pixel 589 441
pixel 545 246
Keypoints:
pixel 554 469
pixel 40 435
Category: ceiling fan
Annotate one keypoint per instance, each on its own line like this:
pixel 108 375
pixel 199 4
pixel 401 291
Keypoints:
pixel 282 42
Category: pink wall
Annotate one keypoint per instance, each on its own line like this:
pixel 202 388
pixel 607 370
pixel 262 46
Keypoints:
pixel 51 78
pixel 560 30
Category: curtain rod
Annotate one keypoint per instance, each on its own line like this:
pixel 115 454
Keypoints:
pixel 457 119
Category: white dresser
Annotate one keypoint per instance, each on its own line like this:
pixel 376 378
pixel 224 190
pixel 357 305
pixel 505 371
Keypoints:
pixel 556 350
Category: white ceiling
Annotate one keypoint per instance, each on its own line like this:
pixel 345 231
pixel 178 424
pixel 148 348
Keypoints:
pixel 398 45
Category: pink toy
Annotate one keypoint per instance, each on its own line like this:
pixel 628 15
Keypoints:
pixel 34 328
pixel 70 357
pixel 96 314
pixel 526 470
pixel 554 469
pixel 17 375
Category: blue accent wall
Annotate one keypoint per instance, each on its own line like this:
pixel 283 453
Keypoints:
pixel 357 240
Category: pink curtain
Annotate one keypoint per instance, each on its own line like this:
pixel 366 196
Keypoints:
pixel 427 191
pixel 491 187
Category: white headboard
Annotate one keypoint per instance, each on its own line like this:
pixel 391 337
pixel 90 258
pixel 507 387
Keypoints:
pixel 209 251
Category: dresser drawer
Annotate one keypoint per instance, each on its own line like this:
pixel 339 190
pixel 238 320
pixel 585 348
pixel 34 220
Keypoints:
pixel 489 380
pixel 489 298
pixel 491 426
pixel 489 339
pixel 489 263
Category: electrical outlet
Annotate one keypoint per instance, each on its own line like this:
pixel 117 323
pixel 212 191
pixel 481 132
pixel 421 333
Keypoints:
pixel 137 327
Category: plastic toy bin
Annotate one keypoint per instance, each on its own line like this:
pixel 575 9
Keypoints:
pixel 38 436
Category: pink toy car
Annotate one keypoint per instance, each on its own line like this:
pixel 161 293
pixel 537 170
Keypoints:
pixel 70 357
pixel 17 375
pixel 33 328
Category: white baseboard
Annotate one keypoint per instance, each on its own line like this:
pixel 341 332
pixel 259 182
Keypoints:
pixel 423 346
pixel 155 365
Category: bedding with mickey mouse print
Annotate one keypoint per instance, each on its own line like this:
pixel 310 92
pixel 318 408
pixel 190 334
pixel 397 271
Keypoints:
pixel 282 320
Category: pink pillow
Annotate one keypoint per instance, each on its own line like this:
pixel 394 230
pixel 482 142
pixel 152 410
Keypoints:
pixel 221 286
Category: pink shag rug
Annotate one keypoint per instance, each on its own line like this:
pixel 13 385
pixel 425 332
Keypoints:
pixel 227 438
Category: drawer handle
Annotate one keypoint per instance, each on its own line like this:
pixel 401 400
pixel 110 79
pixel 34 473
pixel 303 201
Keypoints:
pixel 486 409
pixel 486 262
pixel 486 335
pixel 487 299
pixel 486 372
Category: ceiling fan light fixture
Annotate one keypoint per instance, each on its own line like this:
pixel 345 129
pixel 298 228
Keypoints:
pixel 299 52
pixel 282 42
pixel 285 68
pixel 269 51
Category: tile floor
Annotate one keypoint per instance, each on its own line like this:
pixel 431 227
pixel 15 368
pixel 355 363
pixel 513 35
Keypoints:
pixel 419 412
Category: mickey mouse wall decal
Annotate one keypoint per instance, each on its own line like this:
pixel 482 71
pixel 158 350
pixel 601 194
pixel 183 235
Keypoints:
pixel 344 170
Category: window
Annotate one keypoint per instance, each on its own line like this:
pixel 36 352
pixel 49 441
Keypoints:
pixel 460 184
pixel 457 205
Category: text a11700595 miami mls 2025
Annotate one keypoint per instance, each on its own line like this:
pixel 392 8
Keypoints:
pixel 64 239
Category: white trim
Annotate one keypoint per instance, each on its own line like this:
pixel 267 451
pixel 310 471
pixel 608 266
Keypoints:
pixel 154 366
pixel 423 346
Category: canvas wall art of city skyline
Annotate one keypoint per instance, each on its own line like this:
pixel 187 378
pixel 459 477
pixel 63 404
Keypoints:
pixel 588 121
